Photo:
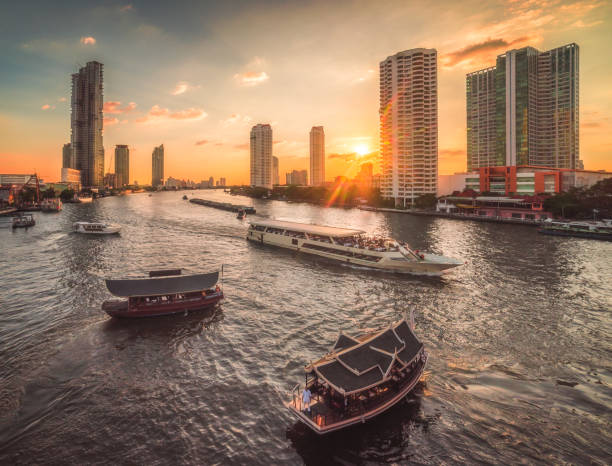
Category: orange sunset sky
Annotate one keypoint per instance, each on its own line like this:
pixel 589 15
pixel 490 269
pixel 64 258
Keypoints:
pixel 197 77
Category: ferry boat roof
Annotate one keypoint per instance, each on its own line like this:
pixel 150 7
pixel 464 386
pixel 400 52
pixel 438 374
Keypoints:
pixel 162 286
pixel 308 228
pixel 355 365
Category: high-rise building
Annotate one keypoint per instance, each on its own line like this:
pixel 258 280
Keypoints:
pixel 86 123
pixel 298 177
pixel 275 175
pixel 122 164
pixel 364 177
pixel 222 181
pixel 524 111
pixel 409 125
pixel 317 156
pixel 68 156
pixel 261 156
pixel 157 177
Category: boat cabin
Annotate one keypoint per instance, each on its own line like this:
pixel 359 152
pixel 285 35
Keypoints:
pixel 360 378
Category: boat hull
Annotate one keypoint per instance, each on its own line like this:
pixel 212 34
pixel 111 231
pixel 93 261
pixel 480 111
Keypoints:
pixel 349 255
pixel 166 309
pixel 325 429
pixel 576 234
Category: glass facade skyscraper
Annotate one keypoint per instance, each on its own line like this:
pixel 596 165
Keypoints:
pixel 530 98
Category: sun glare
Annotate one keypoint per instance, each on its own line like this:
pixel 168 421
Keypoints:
pixel 361 150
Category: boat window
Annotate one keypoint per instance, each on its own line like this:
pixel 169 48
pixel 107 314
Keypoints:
pixel 260 228
pixel 276 231
pixel 295 234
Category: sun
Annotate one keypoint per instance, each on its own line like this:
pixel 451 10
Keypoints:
pixel 361 150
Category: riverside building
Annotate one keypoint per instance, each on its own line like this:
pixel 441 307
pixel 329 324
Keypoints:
pixel 524 110
pixel 409 125
pixel 317 156
pixel 86 123
pixel 275 174
pixel 261 156
pixel 157 169
pixel 122 164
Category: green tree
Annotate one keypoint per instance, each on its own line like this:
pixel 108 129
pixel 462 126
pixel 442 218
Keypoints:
pixel 426 201
pixel 48 193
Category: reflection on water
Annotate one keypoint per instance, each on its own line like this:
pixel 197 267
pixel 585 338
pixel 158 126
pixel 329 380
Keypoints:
pixel 519 370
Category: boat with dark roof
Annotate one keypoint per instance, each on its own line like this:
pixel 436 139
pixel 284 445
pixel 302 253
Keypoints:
pixel 164 292
pixel 360 378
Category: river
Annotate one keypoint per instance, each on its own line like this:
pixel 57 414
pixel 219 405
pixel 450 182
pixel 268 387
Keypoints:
pixel 519 338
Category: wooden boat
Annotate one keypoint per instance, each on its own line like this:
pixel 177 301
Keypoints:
pixel 23 221
pixel 163 293
pixel 360 378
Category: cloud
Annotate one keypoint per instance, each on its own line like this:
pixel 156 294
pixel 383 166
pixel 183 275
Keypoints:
pixel 483 51
pixel 88 40
pixel 581 24
pixel 236 119
pixel 158 113
pixel 182 87
pixel 451 153
pixel 202 142
pixel 251 78
pixel 47 107
pixel 113 106
pixel 109 121
pixel 128 7
pixel 62 99
pixel 592 124
pixel 354 156
pixel 242 146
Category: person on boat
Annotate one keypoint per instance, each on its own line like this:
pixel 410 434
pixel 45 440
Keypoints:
pixel 306 399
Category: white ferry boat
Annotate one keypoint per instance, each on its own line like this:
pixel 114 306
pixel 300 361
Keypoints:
pixel 349 246
pixel 96 228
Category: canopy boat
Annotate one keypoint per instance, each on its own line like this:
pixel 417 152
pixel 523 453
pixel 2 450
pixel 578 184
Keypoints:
pixel 585 229
pixel 360 378
pixel 93 228
pixel 51 205
pixel 350 246
pixel 23 221
pixel 163 294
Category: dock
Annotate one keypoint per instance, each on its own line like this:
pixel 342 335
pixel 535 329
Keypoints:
pixel 223 205
pixel 8 210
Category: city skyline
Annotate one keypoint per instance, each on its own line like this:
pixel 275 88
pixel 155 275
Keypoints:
pixel 203 107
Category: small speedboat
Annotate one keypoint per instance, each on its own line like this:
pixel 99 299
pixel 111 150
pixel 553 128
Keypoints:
pixel 241 214
pixel 94 228
pixel 23 221
pixel 85 199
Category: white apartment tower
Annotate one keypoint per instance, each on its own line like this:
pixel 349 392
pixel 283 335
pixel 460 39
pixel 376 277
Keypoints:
pixel 261 156
pixel 317 156
pixel 409 125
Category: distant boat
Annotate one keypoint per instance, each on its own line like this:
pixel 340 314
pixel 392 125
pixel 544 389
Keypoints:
pixel 585 229
pixel 163 293
pixel 23 221
pixel 85 199
pixel 92 228
pixel 51 205
pixel 185 197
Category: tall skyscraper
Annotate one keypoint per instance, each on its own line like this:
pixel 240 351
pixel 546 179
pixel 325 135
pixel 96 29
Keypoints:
pixel 317 156
pixel 409 125
pixel 122 164
pixel 68 156
pixel 524 111
pixel 275 175
pixel 261 156
pixel 157 177
pixel 86 123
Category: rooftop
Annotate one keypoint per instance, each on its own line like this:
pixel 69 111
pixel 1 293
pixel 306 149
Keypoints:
pixel 162 286
pixel 308 228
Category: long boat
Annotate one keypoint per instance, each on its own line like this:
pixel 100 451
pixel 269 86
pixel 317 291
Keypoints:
pixel 349 246
pixel 592 230
pixel 164 292
pixel 360 378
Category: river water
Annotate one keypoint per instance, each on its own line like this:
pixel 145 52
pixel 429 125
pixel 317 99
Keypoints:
pixel 520 342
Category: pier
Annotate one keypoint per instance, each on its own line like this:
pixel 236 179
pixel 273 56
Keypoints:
pixel 223 205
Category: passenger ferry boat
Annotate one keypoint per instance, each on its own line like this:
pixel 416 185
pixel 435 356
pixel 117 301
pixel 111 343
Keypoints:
pixel 164 292
pixel 23 221
pixel 51 205
pixel 592 230
pixel 96 228
pixel 349 246
pixel 360 378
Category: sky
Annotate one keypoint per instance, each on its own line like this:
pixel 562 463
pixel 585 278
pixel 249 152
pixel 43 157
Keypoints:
pixel 196 76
